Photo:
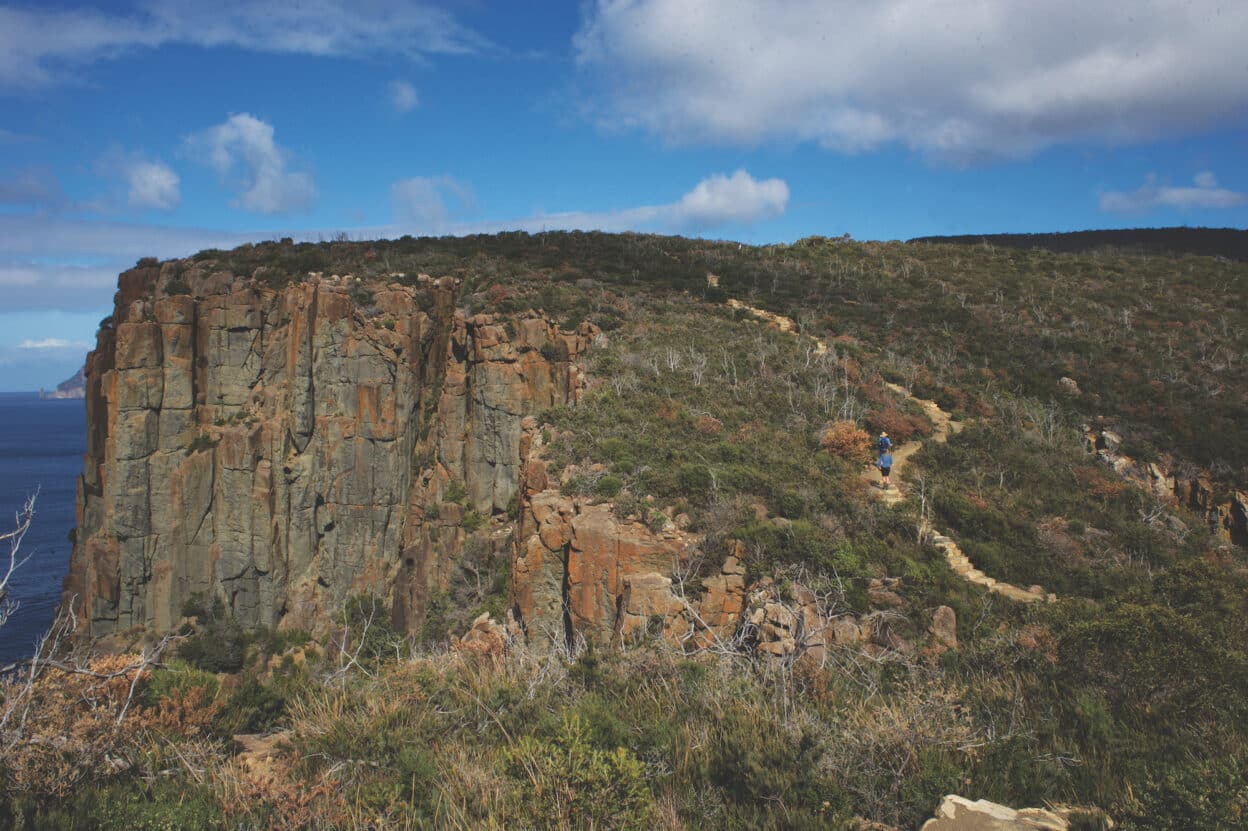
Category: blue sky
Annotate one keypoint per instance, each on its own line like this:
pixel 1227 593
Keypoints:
pixel 160 127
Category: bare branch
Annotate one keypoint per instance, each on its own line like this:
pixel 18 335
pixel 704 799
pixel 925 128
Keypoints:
pixel 21 524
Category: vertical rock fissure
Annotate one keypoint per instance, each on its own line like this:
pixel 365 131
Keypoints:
pixel 566 596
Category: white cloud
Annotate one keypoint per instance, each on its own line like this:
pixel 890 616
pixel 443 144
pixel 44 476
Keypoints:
pixel 1151 195
pixel 91 253
pixel 730 200
pixel 715 202
pixel 243 147
pixel 48 344
pixel 37 46
pixel 422 201
pixel 1206 179
pixel 403 96
pixel 152 185
pixel 958 80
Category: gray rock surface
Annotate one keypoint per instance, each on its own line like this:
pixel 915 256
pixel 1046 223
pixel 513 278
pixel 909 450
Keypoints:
pixel 284 449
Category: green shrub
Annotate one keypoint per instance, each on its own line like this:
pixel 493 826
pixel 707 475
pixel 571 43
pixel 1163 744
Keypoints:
pixel 252 708
pixel 178 676
pixel 473 521
pixel 123 806
pixel 609 486
pixel 221 646
pixel 273 641
pixel 455 492
pixel 580 785
pixel 371 630
pixel 1196 793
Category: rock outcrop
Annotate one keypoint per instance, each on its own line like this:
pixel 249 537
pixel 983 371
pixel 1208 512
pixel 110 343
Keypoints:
pixel 283 448
pixel 1224 511
pixel 581 571
pixel 485 637
pixel 957 813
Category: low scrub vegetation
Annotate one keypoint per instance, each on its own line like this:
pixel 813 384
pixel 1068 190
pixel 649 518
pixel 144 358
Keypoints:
pixel 1130 692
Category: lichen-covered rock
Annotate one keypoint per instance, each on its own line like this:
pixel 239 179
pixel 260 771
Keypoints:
pixel 944 627
pixel 284 449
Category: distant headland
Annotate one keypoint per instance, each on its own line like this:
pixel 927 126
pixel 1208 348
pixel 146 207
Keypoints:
pixel 75 387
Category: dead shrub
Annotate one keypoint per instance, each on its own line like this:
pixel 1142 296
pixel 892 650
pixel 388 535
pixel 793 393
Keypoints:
pixel 846 440
pixel 66 731
pixel 900 426
pixel 708 424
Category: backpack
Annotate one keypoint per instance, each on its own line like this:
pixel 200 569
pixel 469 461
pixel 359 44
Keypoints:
pixel 885 443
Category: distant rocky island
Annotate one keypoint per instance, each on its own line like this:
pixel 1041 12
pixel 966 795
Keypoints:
pixel 75 387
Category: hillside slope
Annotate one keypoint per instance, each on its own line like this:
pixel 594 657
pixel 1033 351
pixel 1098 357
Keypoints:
pixel 564 444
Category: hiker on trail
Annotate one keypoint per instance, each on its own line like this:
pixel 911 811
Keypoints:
pixel 885 443
pixel 886 467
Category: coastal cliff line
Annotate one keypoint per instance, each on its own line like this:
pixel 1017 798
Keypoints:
pixel 284 448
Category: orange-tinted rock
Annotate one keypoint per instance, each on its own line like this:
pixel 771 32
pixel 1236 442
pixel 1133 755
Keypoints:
pixel 579 569
pixel 647 601
pixel 485 637
pixel 283 449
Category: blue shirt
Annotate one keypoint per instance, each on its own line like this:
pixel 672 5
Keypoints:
pixel 886 460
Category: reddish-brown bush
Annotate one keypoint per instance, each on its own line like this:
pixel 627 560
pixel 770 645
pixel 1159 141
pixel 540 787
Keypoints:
pixel 708 424
pixel 899 426
pixel 846 440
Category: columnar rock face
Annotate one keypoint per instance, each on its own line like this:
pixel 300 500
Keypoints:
pixel 283 449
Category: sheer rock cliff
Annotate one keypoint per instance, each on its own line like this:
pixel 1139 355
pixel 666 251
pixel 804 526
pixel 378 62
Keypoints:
pixel 284 447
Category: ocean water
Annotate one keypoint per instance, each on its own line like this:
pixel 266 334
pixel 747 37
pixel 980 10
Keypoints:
pixel 41 447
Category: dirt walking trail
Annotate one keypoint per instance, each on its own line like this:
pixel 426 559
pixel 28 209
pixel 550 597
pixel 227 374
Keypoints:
pixel 957 561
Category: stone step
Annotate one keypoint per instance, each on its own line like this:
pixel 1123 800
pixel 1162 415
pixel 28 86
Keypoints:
pixel 945 425
pixel 1015 593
